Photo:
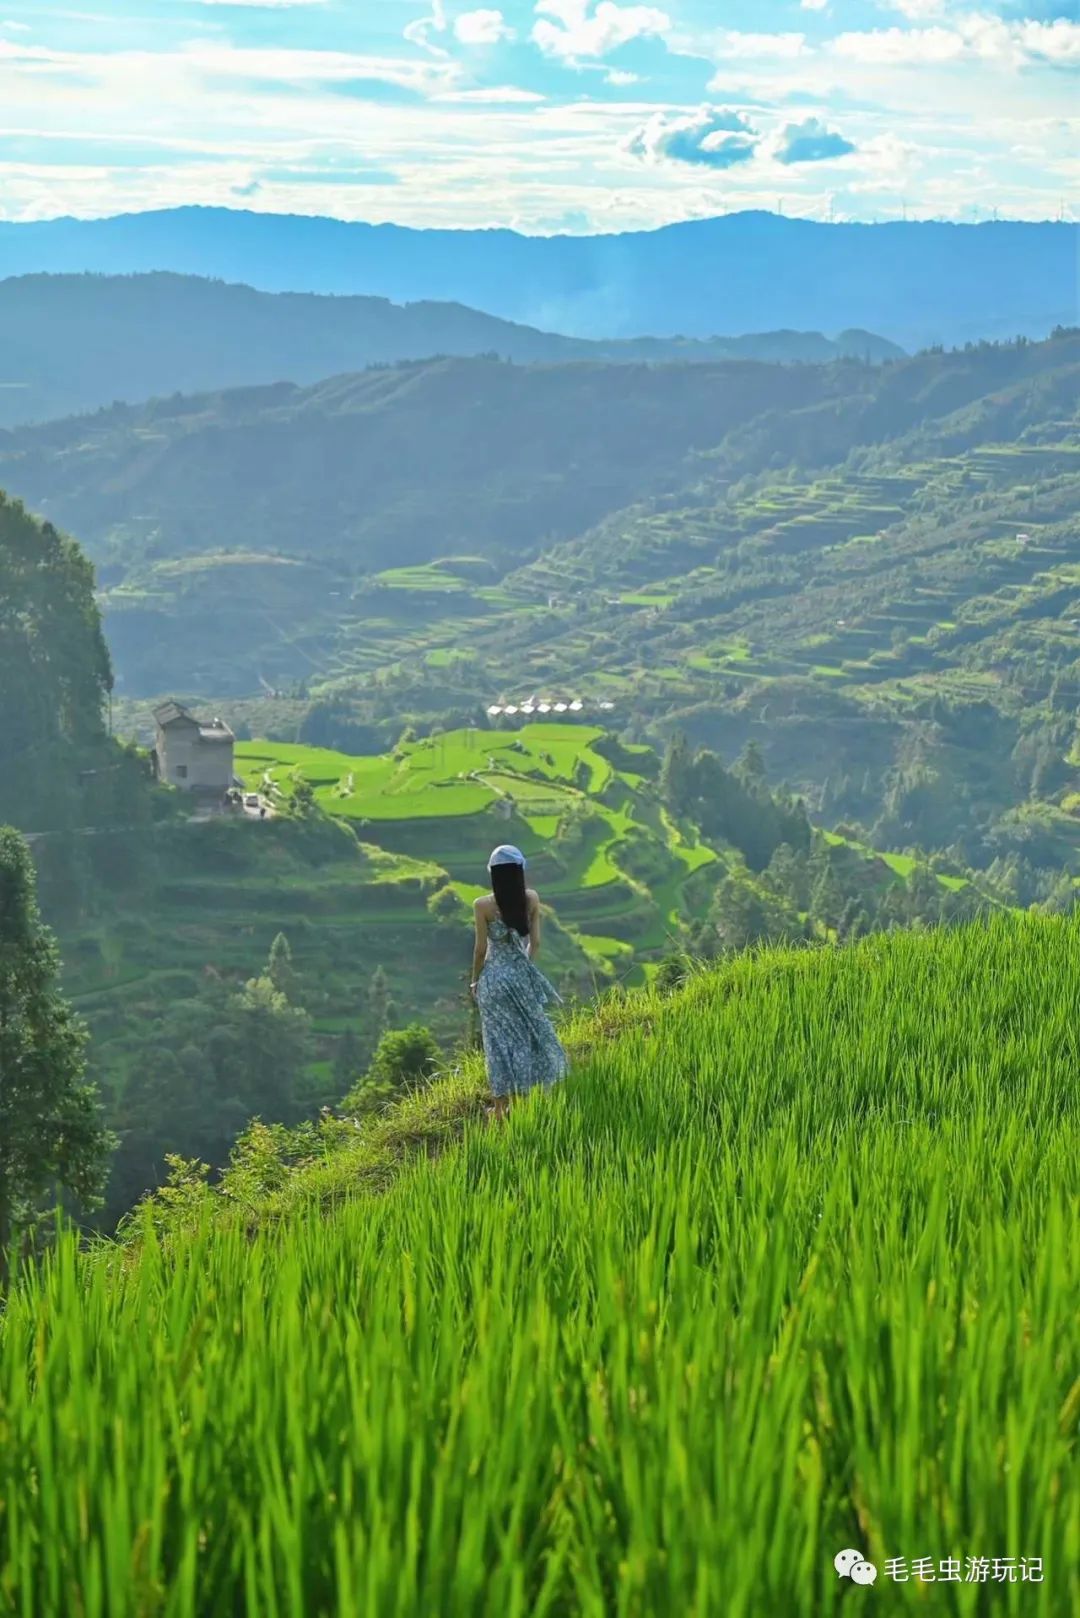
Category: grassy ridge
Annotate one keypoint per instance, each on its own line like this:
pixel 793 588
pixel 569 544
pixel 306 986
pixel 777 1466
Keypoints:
pixel 788 1265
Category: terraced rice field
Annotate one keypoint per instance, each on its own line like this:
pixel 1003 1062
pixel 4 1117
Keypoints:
pixel 788 1266
pixel 437 799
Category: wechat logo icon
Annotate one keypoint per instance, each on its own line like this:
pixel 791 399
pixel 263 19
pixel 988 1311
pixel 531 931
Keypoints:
pixel 854 1566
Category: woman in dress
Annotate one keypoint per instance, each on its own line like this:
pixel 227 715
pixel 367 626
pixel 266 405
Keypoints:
pixel 521 1047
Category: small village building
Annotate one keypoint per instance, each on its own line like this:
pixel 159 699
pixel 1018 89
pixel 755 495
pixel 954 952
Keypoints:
pixel 192 754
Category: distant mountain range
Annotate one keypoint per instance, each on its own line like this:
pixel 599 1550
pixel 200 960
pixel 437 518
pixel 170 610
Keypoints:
pixel 916 283
pixel 71 343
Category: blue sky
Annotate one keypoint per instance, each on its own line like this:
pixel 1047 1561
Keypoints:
pixel 544 115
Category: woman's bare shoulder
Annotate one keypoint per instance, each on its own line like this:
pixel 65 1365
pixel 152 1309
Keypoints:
pixel 485 904
pixel 532 898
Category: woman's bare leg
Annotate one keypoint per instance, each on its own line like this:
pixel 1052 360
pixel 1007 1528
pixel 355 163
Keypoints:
pixel 499 1109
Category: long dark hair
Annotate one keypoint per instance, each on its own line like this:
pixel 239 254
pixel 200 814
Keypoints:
pixel 508 886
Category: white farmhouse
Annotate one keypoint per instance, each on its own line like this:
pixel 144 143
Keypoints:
pixel 190 753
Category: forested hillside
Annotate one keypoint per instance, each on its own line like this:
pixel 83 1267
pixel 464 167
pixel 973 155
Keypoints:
pixel 55 674
pixel 72 343
pixel 240 535
pixel 393 466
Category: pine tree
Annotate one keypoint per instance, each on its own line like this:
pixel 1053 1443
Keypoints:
pixel 788 872
pixel 280 970
pixel 379 1001
pixel 826 901
pixel 677 773
pixel 50 1130
pixel 750 767
pixel 267 1052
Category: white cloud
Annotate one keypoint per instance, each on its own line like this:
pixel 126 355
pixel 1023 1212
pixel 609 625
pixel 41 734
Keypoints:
pixel 485 26
pixel 298 67
pixel 506 95
pixel 16 27
pixel 812 141
pixel 918 10
pixel 735 46
pixel 617 77
pixel 1057 41
pixel 973 35
pixel 262 5
pixel 420 31
pixel 898 47
pixel 711 137
pixel 579 31
pixel 482 28
pixel 136 80
pixel 814 5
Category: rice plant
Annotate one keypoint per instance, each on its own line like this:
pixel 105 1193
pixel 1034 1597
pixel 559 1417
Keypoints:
pixel 789 1265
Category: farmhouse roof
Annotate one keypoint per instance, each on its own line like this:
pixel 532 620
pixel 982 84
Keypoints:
pixel 171 712
pixel 175 713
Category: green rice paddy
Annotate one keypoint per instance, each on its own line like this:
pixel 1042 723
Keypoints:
pixel 440 795
pixel 457 772
pixel 788 1266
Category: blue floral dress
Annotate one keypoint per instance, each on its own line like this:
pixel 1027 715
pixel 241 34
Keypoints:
pixel 521 1047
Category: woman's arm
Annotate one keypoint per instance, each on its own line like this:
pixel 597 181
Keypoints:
pixel 480 943
pixel 534 925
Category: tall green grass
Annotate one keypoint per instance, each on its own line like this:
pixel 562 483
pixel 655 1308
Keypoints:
pixel 789 1264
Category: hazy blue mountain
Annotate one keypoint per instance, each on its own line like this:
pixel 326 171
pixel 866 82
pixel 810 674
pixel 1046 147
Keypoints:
pixel 71 343
pixel 916 283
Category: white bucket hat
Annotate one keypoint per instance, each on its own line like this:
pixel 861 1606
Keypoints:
pixel 506 854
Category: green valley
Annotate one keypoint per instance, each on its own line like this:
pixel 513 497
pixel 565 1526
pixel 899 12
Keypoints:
pixel 802 701
pixel 868 571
